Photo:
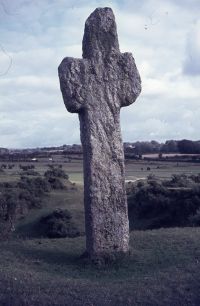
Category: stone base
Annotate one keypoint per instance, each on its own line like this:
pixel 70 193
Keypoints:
pixel 105 259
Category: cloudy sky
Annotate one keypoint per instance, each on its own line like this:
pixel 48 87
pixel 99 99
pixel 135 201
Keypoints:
pixel 35 35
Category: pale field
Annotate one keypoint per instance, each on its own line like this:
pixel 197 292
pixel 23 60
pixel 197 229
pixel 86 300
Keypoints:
pixel 156 155
pixel 134 169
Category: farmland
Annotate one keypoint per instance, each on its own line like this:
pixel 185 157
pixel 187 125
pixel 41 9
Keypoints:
pixel 135 169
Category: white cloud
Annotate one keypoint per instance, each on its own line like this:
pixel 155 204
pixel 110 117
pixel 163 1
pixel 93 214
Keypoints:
pixel 39 34
pixel 192 61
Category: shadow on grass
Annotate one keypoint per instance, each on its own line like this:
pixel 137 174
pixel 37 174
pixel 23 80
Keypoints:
pixel 52 257
pixel 140 264
pixel 162 270
pixel 153 253
pixel 29 230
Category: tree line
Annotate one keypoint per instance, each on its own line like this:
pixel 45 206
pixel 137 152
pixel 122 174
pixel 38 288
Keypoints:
pixel 170 146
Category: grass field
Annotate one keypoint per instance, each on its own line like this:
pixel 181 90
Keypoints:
pixel 64 199
pixel 134 169
pixel 163 268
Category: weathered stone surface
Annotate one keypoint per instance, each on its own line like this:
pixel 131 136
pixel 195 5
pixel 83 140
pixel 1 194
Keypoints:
pixel 96 87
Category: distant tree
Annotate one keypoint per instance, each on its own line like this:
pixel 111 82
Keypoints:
pixel 142 147
pixel 189 147
pixel 170 146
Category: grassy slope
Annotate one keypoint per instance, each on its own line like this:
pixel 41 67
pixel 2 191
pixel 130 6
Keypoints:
pixel 164 266
pixel 163 270
pixel 65 199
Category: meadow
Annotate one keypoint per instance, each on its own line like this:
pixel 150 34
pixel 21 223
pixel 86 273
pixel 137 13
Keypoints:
pixel 135 169
pixel 163 267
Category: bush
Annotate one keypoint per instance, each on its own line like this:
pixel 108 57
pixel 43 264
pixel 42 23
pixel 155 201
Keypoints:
pixel 195 219
pixel 16 199
pixel 56 172
pixel 28 199
pixel 195 178
pixel 37 186
pixel 58 224
pixel 182 180
pixel 156 204
pixel 54 175
pixel 11 166
pixel 31 172
pixel 26 167
pixel 8 209
pixel 56 183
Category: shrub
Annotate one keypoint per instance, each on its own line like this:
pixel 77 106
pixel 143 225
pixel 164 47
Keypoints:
pixel 54 175
pixel 26 167
pixel 11 166
pixel 56 183
pixel 56 172
pixel 31 172
pixel 180 180
pixel 28 199
pixel 37 186
pixel 58 224
pixel 16 199
pixel 195 178
pixel 195 219
pixel 8 208
pixel 11 200
pixel 156 204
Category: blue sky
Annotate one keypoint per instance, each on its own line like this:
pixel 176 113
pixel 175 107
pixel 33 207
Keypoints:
pixel 163 35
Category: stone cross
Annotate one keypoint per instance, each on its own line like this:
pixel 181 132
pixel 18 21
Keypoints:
pixel 96 87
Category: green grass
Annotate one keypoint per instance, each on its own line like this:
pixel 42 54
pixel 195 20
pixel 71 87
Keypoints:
pixel 163 269
pixel 134 169
pixel 64 199
pixel 162 170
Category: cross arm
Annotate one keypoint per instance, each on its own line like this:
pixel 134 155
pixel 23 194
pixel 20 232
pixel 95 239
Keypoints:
pixel 72 75
pixel 130 80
